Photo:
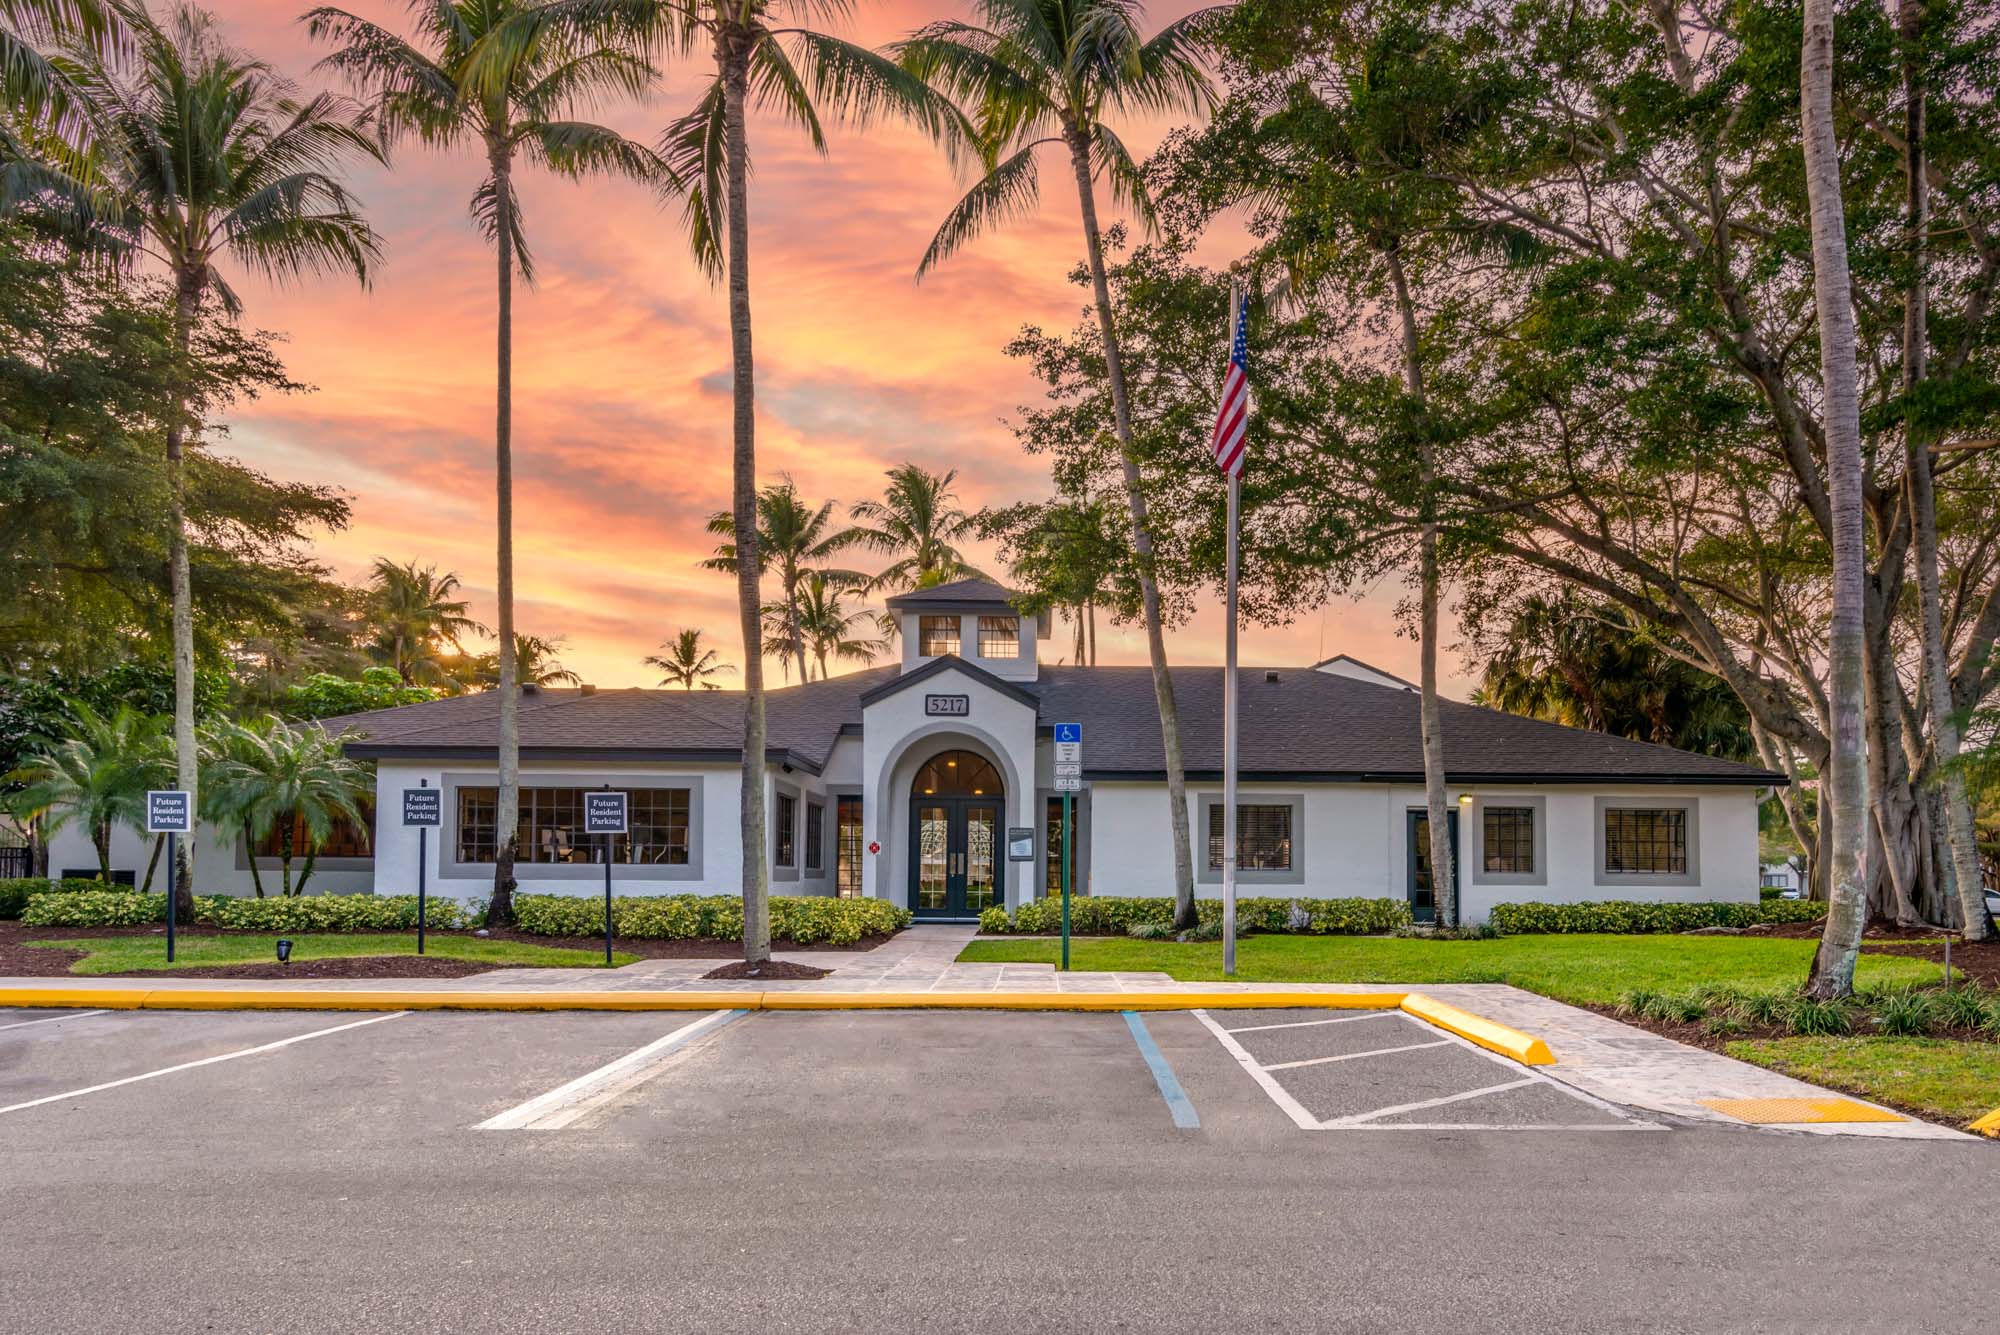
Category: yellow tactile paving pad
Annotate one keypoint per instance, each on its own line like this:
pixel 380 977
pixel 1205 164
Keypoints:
pixel 1772 1112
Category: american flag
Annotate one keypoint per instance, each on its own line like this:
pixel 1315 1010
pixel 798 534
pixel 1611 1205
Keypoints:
pixel 1233 419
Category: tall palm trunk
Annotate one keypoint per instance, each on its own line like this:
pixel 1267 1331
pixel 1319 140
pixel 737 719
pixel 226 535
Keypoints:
pixel 100 838
pixel 188 289
pixel 1846 771
pixel 1142 538
pixel 1960 835
pixel 1437 810
pixel 250 849
pixel 732 54
pixel 507 816
pixel 792 619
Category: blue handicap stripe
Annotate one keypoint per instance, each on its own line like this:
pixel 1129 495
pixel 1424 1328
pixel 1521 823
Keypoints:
pixel 1178 1103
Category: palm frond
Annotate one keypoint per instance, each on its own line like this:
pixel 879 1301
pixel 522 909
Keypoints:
pixel 576 149
pixel 695 152
pixel 1128 182
pixel 862 86
pixel 1009 191
pixel 775 85
pixel 485 208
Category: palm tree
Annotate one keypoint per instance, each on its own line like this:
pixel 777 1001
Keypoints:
pixel 830 629
pixel 792 538
pixel 198 151
pixel 1847 772
pixel 504 76
pixel 537 662
pixel 44 146
pixel 920 523
pixel 762 55
pixel 292 778
pixel 1043 72
pixel 418 614
pixel 687 664
pixel 98 775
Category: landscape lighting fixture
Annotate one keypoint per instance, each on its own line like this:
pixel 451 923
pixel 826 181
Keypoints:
pixel 284 951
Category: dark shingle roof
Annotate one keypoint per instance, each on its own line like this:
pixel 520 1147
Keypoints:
pixel 1297 723
pixel 958 591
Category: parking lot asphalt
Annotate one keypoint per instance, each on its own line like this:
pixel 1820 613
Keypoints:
pixel 915 1171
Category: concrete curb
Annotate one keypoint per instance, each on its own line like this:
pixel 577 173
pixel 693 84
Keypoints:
pixel 1488 1034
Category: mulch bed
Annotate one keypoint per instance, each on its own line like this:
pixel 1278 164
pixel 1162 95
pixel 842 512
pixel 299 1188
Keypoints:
pixel 363 966
pixel 683 950
pixel 767 971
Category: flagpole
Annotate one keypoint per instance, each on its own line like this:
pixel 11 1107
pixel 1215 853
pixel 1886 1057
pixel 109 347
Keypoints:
pixel 1229 706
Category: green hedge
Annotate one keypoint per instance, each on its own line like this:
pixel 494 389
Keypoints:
pixel 305 913
pixel 94 908
pixel 804 919
pixel 1627 917
pixel 1109 915
pixel 330 913
pixel 14 891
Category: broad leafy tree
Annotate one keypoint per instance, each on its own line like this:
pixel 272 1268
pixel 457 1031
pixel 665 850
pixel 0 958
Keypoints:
pixel 503 78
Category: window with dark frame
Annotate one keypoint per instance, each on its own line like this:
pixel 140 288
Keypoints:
pixel 999 637
pixel 1052 849
pixel 1507 836
pixel 815 836
pixel 1263 836
pixel 785 840
pixel 847 847
pixel 1646 841
pixel 551 827
pixel 937 635
pixel 346 839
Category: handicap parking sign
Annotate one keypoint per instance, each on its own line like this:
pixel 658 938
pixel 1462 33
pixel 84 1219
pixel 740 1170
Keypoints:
pixel 1069 732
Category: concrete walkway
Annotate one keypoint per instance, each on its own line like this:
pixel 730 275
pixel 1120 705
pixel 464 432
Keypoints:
pixel 1617 1062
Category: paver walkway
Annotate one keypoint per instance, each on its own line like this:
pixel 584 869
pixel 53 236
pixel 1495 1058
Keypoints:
pixel 1595 1054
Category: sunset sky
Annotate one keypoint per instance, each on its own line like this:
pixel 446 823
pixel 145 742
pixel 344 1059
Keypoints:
pixel 621 372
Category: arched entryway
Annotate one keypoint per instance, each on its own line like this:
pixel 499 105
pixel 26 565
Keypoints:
pixel 957 806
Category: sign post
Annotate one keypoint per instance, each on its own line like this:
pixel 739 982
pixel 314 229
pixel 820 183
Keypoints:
pixel 604 813
pixel 423 807
pixel 1069 782
pixel 170 812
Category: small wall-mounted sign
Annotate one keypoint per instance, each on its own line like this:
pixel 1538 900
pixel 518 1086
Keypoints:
pixel 948 706
pixel 1020 843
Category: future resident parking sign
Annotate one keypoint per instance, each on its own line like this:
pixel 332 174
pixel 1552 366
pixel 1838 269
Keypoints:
pixel 604 813
pixel 423 806
pixel 169 812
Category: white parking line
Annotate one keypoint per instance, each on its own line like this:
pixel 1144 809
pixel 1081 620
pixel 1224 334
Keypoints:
pixel 566 1103
pixel 1357 1118
pixel 1355 1056
pixel 51 1019
pixel 1297 1111
pixel 1307 1024
pixel 205 1061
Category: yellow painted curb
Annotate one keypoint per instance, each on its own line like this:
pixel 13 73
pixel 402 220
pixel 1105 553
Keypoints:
pixel 1488 1034
pixel 1988 1125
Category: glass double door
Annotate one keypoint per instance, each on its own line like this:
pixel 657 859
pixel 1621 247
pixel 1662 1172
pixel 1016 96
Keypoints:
pixel 1422 882
pixel 954 856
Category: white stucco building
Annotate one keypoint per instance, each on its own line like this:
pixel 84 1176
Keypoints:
pixel 930 783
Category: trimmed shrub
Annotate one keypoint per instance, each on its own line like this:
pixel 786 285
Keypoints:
pixel 803 919
pixel 14 891
pixel 1112 915
pixel 94 908
pixel 329 913
pixel 993 921
pixel 1630 917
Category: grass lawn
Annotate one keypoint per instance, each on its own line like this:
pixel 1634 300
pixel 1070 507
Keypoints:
pixel 118 954
pixel 1951 1081
pixel 1585 969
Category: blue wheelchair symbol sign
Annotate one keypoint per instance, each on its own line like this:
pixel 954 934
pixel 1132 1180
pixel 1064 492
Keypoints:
pixel 1069 732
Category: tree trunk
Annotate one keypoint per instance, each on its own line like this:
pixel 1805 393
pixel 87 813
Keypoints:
pixel 1846 778
pixel 305 872
pixel 1437 808
pixel 1093 632
pixel 1960 871
pixel 732 53
pixel 285 859
pixel 797 628
pixel 250 856
pixel 100 838
pixel 188 290
pixel 507 814
pixel 152 863
pixel 1142 539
